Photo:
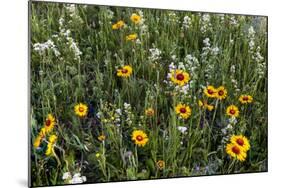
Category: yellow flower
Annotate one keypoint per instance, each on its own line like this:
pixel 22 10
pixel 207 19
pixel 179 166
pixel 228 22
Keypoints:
pixel 240 141
pixel 118 25
pixel 180 77
pixel 81 110
pixel 101 138
pixel 232 111
pixel 53 138
pixel 42 132
pixel 184 111
pixel 160 164
pixel 49 123
pixel 37 142
pixel 50 146
pixel 49 150
pixel 114 27
pixel 236 152
pixel 149 112
pixel 221 93
pixel 125 71
pixel 140 138
pixel 39 138
pixel 246 99
pixel 205 105
pixel 135 18
pixel 131 37
pixel 98 155
pixel 210 91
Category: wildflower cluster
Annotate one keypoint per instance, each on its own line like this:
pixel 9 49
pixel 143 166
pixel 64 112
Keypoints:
pixel 42 48
pixel 238 147
pixel 205 23
pixel 73 179
pixel 127 93
pixel 186 22
pixel 46 133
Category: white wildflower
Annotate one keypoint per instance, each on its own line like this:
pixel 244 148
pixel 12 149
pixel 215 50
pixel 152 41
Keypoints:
pixel 206 42
pixel 75 179
pixel 232 120
pixel 215 51
pixel 118 111
pixel 155 54
pixel 138 41
pixel 233 21
pixel 127 105
pixel 66 175
pixel 181 66
pixel 186 22
pixel 41 48
pixel 73 46
pixel 173 18
pixel 205 23
pixel 172 66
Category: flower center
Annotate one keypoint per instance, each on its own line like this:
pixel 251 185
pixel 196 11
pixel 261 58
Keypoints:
pixel 48 122
pixel 240 141
pixel 150 112
pixel 235 150
pixel 210 91
pixel 81 109
pixel 221 93
pixel 182 110
pixel 124 71
pixel 232 111
pixel 139 138
pixel 245 98
pixel 180 77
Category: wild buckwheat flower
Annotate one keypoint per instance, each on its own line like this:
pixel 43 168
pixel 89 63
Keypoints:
pixel 233 21
pixel 75 179
pixel 182 129
pixel 42 48
pixel 173 18
pixel 186 22
pixel 66 176
pixel 155 54
pixel 205 23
